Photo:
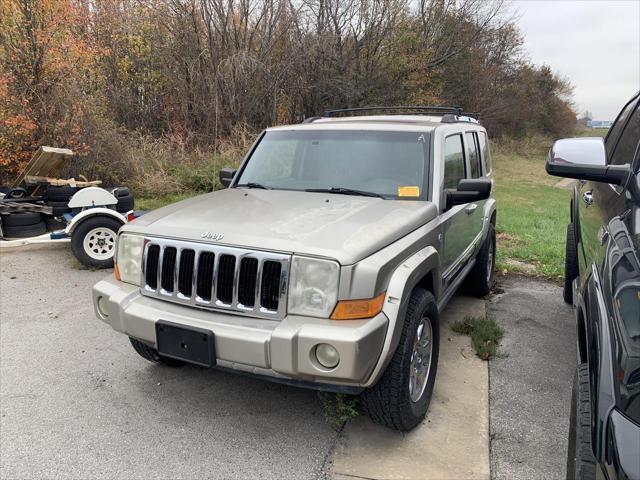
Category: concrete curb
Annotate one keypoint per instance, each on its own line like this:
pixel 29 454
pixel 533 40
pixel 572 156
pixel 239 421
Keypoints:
pixel 453 441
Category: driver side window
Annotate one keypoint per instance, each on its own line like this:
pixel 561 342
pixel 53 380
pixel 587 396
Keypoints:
pixel 454 168
pixel 627 143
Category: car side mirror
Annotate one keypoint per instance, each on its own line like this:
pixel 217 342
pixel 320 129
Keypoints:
pixel 469 190
pixel 585 159
pixel 226 176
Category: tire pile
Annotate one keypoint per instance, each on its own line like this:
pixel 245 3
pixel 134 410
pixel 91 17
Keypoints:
pixel 125 199
pixel 58 199
pixel 23 224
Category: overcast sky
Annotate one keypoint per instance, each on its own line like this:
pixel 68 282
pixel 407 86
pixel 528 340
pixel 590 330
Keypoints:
pixel 593 43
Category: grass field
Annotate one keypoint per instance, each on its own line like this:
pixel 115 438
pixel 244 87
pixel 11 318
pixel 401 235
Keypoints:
pixel 532 212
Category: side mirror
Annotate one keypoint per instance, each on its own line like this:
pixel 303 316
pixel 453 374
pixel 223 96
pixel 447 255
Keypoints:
pixel 226 176
pixel 585 159
pixel 469 190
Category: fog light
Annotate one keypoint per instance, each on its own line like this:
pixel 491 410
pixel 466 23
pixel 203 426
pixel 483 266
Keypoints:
pixel 327 355
pixel 103 308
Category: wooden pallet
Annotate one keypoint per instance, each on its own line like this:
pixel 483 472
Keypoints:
pixel 46 162
pixel 18 207
pixel 35 180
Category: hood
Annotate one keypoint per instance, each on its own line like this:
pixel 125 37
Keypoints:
pixel 343 227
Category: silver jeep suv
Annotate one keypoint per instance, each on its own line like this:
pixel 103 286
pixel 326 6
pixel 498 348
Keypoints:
pixel 325 263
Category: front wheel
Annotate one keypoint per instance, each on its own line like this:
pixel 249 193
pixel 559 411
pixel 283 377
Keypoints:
pixel 94 241
pixel 401 398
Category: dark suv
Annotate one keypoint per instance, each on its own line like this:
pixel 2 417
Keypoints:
pixel 602 280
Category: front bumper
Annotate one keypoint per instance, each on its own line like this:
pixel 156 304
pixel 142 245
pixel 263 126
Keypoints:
pixel 283 350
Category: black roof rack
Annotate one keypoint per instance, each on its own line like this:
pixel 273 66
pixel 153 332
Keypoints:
pixel 419 109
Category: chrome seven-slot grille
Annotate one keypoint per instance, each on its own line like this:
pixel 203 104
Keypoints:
pixel 215 276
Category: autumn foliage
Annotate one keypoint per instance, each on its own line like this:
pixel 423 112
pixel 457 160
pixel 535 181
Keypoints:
pixel 108 78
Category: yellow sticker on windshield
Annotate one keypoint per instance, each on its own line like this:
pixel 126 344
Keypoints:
pixel 412 191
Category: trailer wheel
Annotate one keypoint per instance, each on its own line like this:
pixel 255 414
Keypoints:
pixel 94 241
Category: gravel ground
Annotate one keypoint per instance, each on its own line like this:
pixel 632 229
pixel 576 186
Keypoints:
pixel 530 387
pixel 77 402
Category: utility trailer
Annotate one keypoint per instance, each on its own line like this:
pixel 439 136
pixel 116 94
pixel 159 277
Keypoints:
pixel 88 218
pixel 91 227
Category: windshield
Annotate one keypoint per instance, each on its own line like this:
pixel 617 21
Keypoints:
pixel 388 164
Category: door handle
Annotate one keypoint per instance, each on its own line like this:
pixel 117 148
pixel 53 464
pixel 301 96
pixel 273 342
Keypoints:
pixel 471 208
pixel 587 197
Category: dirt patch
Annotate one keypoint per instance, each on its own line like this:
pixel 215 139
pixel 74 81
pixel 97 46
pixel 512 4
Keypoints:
pixel 521 266
pixel 566 183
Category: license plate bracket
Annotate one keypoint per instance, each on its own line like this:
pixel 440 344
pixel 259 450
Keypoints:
pixel 189 344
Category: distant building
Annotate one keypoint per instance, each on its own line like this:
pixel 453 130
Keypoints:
pixel 599 123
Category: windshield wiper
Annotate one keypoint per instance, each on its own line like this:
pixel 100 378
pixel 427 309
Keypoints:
pixel 253 185
pixel 344 191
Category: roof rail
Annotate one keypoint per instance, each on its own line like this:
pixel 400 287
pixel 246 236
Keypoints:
pixel 419 109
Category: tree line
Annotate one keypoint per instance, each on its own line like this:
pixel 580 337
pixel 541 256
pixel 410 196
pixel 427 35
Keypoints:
pixel 94 75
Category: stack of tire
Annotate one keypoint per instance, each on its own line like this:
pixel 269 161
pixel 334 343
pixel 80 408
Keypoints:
pixel 22 225
pixel 58 199
pixel 125 199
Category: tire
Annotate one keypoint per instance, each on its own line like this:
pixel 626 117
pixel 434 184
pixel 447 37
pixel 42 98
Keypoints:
pixel 60 194
pixel 390 401
pixel 17 192
pixel 24 231
pixel 53 224
pixel 93 241
pixel 581 464
pixel 125 204
pixel 571 271
pixel 482 277
pixel 151 354
pixel 120 192
pixel 58 208
pixel 21 219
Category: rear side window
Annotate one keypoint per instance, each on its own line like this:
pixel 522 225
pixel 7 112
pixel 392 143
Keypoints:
pixel 628 142
pixel 473 154
pixel 485 154
pixel 454 169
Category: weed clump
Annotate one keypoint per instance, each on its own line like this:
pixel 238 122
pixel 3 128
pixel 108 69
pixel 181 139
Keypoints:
pixel 485 335
pixel 338 408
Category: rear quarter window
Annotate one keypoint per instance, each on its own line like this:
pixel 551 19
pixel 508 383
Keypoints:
pixel 485 153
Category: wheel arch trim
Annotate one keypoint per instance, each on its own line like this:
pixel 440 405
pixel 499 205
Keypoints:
pixel 404 279
pixel 91 213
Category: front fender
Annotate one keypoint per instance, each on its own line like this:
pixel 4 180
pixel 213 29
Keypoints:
pixel 403 280
pixel 93 212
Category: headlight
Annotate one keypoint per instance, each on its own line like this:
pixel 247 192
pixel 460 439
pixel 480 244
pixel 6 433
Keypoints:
pixel 129 258
pixel 313 288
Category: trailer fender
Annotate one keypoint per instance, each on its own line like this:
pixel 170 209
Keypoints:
pixel 91 197
pixel 90 213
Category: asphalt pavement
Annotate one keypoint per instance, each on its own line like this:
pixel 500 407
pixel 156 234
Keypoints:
pixel 76 401
pixel 530 384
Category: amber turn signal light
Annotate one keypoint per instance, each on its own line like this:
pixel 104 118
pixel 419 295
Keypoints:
pixel 116 272
pixel 355 309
